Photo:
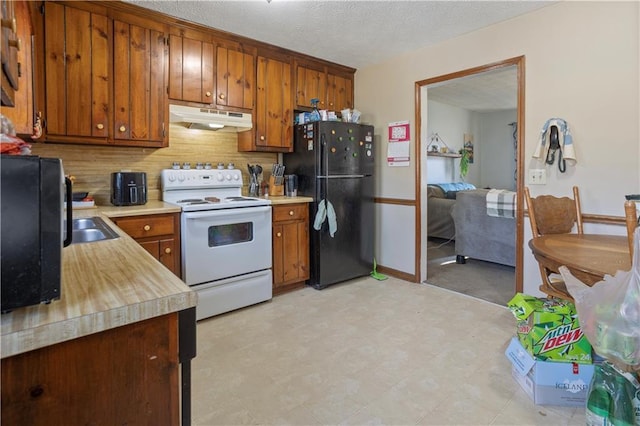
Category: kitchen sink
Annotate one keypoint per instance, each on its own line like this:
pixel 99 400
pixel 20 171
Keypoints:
pixel 91 229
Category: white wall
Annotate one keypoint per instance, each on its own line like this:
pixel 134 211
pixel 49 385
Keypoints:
pixel 494 149
pixel 581 65
pixel 450 123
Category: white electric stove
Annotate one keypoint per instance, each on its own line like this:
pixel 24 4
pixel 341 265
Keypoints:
pixel 225 238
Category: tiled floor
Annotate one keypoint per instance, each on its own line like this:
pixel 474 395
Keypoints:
pixel 363 352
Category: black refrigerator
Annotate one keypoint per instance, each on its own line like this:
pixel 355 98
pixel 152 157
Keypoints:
pixel 334 163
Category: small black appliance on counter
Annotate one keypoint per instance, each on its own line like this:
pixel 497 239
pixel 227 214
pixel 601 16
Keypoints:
pixel 128 188
pixel 33 229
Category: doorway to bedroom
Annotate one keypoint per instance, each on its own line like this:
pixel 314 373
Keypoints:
pixel 469 145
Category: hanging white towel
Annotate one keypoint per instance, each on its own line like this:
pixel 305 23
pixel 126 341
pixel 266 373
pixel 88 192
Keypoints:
pixel 564 138
pixel 326 212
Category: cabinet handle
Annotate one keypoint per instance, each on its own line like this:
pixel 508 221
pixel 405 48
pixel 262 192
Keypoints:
pixel 167 250
pixel 278 234
pixel 17 43
pixel 290 212
pixel 10 23
pixel 147 227
pixel 100 126
pixel 221 95
pixel 261 138
pixel 122 128
pixel 207 94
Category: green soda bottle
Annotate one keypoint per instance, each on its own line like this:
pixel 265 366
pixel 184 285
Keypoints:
pixel 599 400
pixel 622 411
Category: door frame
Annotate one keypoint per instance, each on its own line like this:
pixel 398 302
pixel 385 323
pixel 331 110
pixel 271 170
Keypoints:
pixel 519 63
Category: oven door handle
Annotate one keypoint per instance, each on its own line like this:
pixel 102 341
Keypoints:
pixel 231 212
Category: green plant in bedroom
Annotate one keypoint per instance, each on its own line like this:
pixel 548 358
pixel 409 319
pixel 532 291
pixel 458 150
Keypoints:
pixel 464 162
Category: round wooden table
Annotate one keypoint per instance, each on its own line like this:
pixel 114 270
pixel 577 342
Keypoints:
pixel 588 256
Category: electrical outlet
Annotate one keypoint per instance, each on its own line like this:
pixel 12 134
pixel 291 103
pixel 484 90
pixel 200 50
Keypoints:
pixel 537 176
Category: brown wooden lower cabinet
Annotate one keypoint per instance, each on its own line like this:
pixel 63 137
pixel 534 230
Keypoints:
pixel 159 234
pixel 126 375
pixel 290 246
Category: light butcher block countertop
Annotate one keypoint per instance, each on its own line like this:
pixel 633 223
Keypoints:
pixel 105 284
pixel 276 200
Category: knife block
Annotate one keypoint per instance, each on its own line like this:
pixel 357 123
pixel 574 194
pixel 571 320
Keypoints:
pixel 274 189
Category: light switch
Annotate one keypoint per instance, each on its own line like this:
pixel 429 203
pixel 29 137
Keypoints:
pixel 537 176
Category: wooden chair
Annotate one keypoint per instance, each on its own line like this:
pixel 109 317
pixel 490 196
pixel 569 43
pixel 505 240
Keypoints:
pixel 553 215
pixel 631 218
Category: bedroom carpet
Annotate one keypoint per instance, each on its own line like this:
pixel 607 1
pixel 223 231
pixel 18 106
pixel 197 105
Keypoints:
pixel 483 280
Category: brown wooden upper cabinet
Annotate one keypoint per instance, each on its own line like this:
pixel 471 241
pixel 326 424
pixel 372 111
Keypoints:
pixel 235 78
pixel 10 43
pixel 311 83
pixel 333 89
pixel 196 75
pixel 87 55
pixel 339 92
pixel 191 70
pixel 274 109
pixel 21 112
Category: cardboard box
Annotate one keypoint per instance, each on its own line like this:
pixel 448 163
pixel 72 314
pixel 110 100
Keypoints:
pixel 548 382
pixel 549 329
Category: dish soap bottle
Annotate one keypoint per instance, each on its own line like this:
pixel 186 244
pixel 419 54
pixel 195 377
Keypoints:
pixel 315 114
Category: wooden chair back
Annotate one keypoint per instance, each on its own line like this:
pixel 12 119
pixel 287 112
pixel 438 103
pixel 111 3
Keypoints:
pixel 631 218
pixel 553 215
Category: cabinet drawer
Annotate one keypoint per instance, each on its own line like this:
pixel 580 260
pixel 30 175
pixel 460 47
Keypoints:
pixel 146 226
pixel 290 212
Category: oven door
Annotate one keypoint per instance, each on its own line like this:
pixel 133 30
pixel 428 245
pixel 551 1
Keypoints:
pixel 224 243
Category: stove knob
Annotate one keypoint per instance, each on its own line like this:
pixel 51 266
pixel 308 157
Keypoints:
pixel 228 177
pixel 236 177
pixel 220 177
pixel 171 177
pixel 181 177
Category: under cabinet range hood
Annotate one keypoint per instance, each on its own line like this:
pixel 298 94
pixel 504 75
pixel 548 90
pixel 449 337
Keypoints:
pixel 209 119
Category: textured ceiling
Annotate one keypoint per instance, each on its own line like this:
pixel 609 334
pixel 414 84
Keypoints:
pixel 352 33
pixel 489 91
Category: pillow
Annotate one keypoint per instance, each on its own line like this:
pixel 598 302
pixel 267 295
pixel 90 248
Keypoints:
pixel 451 189
pixel 435 191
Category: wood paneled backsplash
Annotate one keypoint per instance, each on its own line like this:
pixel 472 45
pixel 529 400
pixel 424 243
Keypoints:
pixel 92 165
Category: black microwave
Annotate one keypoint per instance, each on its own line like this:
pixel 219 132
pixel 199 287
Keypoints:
pixel 34 229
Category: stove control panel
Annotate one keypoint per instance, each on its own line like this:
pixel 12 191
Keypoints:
pixel 200 178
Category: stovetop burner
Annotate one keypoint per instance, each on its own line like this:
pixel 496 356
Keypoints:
pixel 190 200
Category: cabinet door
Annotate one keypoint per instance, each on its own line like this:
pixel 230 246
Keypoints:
pixel 310 83
pixel 77 72
pixel 290 245
pixel 235 78
pixel 9 55
pixel 191 70
pixel 169 255
pixel 274 106
pixel 340 92
pixel 278 255
pixel 139 85
pixel 21 115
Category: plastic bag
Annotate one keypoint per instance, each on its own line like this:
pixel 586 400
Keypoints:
pixel 609 311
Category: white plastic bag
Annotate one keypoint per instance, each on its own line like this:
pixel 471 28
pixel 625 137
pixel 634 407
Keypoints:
pixel 609 311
